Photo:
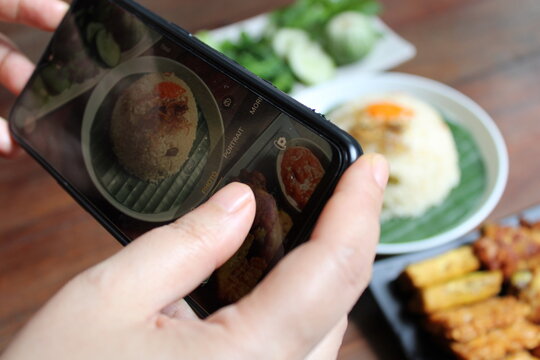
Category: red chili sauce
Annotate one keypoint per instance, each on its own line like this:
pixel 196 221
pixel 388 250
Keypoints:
pixel 301 172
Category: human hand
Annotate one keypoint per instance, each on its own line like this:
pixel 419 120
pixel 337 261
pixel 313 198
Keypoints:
pixel 130 307
pixel 15 68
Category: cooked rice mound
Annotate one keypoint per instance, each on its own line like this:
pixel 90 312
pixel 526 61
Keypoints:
pixel 424 164
pixel 153 126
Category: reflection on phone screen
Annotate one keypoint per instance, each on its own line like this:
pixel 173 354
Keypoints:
pixel 145 130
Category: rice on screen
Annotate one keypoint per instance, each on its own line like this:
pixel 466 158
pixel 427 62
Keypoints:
pixel 153 126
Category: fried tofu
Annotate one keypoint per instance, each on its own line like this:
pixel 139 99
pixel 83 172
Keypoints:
pixel 441 268
pixel 470 288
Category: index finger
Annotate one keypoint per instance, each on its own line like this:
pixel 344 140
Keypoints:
pixel 43 14
pixel 313 287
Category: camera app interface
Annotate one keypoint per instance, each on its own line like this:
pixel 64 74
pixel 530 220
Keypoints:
pixel 145 131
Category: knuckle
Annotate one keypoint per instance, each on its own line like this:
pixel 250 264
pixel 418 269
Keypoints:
pixel 98 278
pixel 197 233
pixel 352 265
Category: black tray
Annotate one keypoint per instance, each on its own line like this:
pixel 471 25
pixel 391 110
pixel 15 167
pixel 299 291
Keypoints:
pixel 416 343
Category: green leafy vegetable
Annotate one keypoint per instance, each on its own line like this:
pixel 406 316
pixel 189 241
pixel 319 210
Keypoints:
pixel 313 15
pixel 274 55
pixel 256 54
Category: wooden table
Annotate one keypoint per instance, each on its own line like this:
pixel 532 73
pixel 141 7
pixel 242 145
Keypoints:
pixel 488 49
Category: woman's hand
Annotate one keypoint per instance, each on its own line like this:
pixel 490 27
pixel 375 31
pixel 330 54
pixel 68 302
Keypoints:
pixel 130 307
pixel 15 68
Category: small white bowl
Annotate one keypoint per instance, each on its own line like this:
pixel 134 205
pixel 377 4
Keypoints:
pixel 458 107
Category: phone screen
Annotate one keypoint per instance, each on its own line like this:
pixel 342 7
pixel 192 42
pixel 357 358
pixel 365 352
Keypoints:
pixel 145 130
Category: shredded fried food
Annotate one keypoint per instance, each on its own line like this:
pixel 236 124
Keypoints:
pixel 498 343
pixel 466 323
pixel 509 248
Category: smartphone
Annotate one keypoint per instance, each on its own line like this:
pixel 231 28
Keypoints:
pixel 141 122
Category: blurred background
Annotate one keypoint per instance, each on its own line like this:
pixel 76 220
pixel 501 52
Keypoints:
pixel 488 50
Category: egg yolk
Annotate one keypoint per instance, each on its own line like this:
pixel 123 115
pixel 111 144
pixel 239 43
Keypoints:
pixel 386 110
pixel 169 90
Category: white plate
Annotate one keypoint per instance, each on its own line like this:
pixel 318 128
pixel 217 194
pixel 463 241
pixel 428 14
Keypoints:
pixel 390 50
pixel 458 107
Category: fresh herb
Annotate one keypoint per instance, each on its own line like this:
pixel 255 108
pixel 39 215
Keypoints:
pixel 262 55
pixel 256 54
pixel 313 15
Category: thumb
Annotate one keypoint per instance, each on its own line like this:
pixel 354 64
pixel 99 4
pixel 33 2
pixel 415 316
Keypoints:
pixel 324 276
pixel 167 263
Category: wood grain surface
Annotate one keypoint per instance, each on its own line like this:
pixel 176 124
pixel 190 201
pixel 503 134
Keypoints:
pixel 487 49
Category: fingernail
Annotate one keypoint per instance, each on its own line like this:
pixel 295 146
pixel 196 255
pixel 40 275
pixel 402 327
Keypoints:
pixel 379 169
pixel 5 139
pixel 232 197
pixel 61 7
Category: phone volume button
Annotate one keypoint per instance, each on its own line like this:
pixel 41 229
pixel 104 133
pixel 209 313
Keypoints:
pixel 269 83
pixel 180 29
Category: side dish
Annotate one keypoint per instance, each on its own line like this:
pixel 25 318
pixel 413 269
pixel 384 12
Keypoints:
pixel 301 172
pixel 442 268
pixel 481 302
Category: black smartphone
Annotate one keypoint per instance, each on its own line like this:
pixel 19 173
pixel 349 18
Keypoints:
pixel 140 122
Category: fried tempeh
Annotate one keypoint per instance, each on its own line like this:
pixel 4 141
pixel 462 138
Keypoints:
pixel 468 322
pixel 499 342
pixel 470 288
pixel 441 268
